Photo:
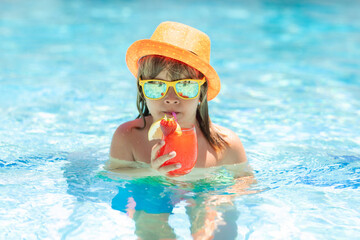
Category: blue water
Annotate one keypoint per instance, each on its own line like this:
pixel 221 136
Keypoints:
pixel 290 73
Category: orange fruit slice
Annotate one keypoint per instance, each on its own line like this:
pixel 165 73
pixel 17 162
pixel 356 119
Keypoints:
pixel 155 131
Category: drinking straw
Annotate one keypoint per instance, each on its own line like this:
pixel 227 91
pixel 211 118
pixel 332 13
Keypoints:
pixel 174 115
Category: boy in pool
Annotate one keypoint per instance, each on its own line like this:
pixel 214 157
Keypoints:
pixel 175 52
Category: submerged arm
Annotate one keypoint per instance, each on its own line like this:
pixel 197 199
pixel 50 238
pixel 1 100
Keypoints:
pixel 129 168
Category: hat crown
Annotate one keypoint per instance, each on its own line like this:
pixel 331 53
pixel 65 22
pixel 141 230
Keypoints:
pixel 180 42
pixel 184 37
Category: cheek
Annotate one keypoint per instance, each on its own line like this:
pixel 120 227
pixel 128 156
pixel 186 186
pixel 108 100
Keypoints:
pixel 192 104
pixel 149 104
pixel 152 106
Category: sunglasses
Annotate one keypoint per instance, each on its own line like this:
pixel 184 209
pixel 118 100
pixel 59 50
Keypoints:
pixel 184 88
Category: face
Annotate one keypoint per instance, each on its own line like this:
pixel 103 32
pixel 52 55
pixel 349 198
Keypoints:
pixel 185 109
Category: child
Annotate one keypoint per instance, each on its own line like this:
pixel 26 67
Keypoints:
pixel 174 52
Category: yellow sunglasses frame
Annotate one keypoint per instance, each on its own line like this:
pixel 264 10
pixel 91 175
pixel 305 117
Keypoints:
pixel 171 84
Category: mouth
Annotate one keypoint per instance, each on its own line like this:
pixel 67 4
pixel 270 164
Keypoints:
pixel 169 114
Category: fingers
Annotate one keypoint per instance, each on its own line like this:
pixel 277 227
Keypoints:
pixel 168 168
pixel 156 148
pixel 157 162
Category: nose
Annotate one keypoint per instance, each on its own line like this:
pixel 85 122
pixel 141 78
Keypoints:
pixel 171 97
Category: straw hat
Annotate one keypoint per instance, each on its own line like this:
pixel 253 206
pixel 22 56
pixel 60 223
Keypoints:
pixel 180 42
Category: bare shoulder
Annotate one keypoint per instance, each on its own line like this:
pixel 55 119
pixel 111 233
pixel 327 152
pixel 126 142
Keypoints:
pixel 124 139
pixel 129 127
pixel 235 152
pixel 230 136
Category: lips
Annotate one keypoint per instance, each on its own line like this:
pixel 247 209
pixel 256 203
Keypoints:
pixel 170 113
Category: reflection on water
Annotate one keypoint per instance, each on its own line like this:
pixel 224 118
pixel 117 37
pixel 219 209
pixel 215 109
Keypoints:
pixel 159 207
pixel 208 203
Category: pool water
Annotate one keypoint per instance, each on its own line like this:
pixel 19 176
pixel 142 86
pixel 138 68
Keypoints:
pixel 290 73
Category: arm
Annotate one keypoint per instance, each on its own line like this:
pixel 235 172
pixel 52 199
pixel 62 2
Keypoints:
pixel 130 169
pixel 235 152
pixel 122 158
pixel 235 161
pixel 121 150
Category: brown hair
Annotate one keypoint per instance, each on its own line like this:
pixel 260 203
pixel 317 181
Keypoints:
pixel 150 66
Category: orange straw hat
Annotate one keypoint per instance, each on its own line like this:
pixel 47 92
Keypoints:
pixel 180 42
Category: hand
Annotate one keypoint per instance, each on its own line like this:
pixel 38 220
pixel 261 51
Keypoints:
pixel 157 162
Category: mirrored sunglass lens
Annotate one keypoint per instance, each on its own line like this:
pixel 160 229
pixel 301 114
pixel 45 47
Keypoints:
pixel 187 89
pixel 154 89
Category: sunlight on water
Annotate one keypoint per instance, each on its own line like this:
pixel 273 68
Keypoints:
pixel 290 90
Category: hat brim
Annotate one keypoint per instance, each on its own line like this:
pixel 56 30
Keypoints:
pixel 146 47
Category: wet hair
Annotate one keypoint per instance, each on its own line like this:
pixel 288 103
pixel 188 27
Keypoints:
pixel 150 66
